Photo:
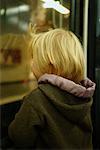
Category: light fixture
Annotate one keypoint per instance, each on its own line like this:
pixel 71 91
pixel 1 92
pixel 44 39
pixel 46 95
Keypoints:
pixel 2 11
pixel 55 5
pixel 15 10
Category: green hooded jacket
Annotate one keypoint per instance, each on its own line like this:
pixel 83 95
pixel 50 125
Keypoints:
pixel 51 118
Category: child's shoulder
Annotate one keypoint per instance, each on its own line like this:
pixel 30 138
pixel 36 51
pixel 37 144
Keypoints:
pixel 34 97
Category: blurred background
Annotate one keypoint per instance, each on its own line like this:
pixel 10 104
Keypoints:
pixel 19 19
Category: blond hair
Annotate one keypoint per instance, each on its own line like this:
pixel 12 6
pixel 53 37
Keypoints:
pixel 58 52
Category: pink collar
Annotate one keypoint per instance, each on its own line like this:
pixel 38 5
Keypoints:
pixel 85 89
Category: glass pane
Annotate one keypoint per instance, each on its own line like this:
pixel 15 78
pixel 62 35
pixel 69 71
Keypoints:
pixel 15 72
pixel 18 18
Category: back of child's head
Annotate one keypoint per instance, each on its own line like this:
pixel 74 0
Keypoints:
pixel 58 52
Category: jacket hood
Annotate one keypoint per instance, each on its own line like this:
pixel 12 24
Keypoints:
pixel 72 107
pixel 84 89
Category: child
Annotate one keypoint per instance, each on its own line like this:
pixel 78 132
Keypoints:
pixel 56 115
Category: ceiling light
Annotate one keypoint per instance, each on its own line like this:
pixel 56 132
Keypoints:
pixel 55 5
pixel 15 10
pixel 2 11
